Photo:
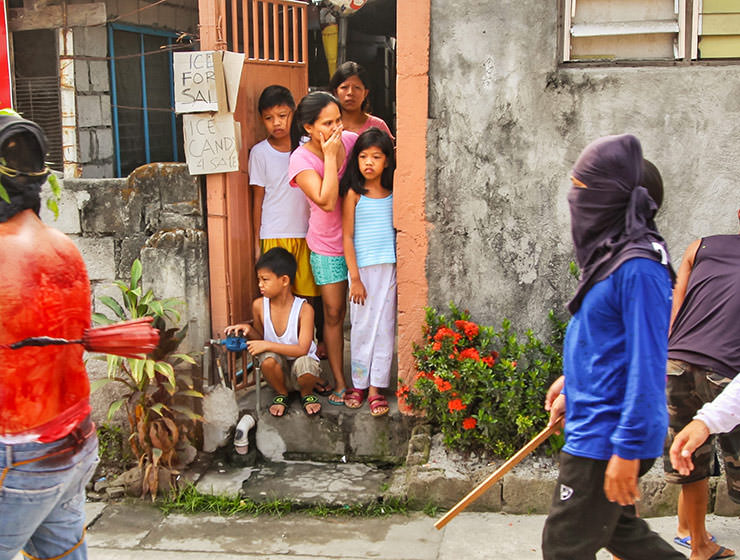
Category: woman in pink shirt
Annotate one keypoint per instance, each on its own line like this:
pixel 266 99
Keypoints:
pixel 351 86
pixel 316 167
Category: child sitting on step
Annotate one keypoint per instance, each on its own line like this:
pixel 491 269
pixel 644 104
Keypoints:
pixel 288 360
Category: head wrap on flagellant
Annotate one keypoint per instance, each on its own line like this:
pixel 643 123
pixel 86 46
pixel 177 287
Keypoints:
pixel 612 219
pixel 22 168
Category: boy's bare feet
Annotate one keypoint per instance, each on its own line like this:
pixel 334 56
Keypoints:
pixel 311 404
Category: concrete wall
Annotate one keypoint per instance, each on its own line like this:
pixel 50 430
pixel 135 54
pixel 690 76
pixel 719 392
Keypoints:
pixel 92 84
pixel 506 124
pixel 156 214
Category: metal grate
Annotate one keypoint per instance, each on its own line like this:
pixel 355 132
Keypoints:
pixel 37 99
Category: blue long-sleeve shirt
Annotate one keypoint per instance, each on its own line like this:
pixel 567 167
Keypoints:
pixel 614 361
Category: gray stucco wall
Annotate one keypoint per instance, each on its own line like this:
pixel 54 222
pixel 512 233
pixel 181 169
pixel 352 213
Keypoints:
pixel 506 124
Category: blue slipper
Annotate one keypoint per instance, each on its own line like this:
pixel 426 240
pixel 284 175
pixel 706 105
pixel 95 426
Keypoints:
pixel 686 541
pixel 339 394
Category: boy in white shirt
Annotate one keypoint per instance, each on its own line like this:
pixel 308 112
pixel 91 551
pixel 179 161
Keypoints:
pixel 288 360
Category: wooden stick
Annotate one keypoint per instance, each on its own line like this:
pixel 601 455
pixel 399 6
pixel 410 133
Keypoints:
pixel 533 444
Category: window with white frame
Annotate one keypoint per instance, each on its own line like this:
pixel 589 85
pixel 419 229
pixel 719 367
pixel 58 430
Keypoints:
pixel 612 30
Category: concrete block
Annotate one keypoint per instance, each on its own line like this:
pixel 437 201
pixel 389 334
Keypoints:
pixel 130 251
pixel 105 143
pixel 69 215
pixel 89 111
pixel 383 439
pixel 171 181
pixel 723 505
pixel 105 288
pixel 525 494
pixel 297 436
pixel 99 256
pixel 113 208
pixel 82 75
pixel 659 498
pixel 90 41
pixel 105 111
pixel 444 488
pixel 99 79
pixel 88 145
pixel 97 171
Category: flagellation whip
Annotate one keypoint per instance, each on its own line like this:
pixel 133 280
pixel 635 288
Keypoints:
pixel 130 339
pixel 494 477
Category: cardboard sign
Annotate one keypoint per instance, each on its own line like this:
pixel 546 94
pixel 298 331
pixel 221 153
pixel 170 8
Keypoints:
pixel 206 81
pixel 211 143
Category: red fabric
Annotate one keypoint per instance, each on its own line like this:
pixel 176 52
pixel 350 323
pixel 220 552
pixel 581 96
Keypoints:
pixel 44 291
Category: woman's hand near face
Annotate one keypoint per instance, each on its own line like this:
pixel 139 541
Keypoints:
pixel 330 146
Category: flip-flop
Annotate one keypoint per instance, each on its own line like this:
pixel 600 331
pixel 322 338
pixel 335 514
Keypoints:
pixel 339 395
pixel 322 389
pixel 717 555
pixel 686 541
pixel 310 399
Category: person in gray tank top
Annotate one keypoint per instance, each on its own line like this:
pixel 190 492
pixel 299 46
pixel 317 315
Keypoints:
pixel 703 358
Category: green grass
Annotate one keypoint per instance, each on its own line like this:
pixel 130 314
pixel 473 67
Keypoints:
pixel 189 500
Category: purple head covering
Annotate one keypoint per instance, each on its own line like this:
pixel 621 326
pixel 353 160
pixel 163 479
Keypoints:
pixel 612 218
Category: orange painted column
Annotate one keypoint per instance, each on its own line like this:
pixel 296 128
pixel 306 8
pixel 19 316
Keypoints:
pixel 412 95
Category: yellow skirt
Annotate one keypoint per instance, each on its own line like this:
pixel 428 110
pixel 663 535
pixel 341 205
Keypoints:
pixel 304 285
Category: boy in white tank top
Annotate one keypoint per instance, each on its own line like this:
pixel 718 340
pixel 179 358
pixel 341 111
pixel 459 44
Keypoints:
pixel 288 360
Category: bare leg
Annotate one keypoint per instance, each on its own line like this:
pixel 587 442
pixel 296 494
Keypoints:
pixel 306 382
pixel 334 298
pixel 273 373
pixel 693 508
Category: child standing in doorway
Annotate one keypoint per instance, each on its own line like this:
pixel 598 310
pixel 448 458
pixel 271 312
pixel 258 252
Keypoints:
pixel 316 166
pixel 280 213
pixel 370 252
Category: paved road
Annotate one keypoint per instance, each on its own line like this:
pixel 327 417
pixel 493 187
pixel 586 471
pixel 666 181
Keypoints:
pixel 141 532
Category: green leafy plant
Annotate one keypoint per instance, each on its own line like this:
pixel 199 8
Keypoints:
pixel 154 395
pixel 483 388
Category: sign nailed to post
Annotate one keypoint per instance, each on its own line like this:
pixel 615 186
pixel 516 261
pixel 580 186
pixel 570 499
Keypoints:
pixel 206 81
pixel 211 143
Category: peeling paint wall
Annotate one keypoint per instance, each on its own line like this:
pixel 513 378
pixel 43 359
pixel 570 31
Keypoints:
pixel 506 124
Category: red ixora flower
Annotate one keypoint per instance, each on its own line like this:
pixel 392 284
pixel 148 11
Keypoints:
pixel 445 332
pixel 402 391
pixel 442 385
pixel 437 346
pixel 469 423
pixel 455 404
pixel 471 353
pixel 513 363
pixel 470 329
pixel 488 360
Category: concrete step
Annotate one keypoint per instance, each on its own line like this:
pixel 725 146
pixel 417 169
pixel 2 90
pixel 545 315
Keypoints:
pixel 336 434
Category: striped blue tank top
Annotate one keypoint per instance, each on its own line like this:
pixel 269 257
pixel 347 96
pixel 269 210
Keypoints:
pixel 375 238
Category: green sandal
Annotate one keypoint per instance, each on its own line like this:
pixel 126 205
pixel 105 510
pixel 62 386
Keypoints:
pixel 281 400
pixel 310 399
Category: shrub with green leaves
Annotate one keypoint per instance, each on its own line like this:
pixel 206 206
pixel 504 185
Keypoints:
pixel 484 388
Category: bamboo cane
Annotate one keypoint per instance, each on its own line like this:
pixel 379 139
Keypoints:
pixel 498 474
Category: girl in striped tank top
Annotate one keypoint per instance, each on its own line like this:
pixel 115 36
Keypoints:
pixel 370 252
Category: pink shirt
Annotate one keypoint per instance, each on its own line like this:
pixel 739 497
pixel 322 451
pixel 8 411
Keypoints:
pixel 371 121
pixel 324 234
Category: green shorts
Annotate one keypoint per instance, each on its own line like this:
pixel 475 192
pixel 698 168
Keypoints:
pixel 328 270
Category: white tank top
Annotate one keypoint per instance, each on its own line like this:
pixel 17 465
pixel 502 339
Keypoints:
pixel 290 336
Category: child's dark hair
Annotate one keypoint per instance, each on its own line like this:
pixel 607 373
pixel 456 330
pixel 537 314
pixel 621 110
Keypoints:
pixel 347 70
pixel 353 178
pixel 307 112
pixel 273 96
pixel 279 261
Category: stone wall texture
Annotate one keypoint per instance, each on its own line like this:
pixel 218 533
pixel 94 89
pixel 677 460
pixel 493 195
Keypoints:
pixel 507 121
pixel 156 215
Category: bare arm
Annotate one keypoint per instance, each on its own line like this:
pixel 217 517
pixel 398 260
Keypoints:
pixel 251 330
pixel 682 279
pixel 305 337
pixel 357 292
pixel 258 197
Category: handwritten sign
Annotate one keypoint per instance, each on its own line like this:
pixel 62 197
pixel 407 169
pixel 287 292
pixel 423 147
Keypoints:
pixel 206 80
pixel 211 144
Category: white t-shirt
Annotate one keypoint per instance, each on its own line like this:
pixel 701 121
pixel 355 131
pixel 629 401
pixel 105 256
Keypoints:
pixel 284 209
pixel 723 413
